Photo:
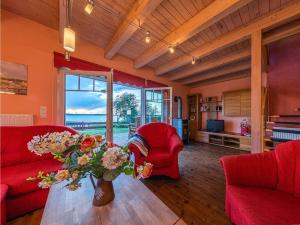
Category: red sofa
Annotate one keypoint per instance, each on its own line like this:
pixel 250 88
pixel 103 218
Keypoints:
pixel 165 146
pixel 263 189
pixel 19 196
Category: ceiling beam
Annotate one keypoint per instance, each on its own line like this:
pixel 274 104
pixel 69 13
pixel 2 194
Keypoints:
pixel 234 37
pixel 203 66
pixel 138 13
pixel 227 77
pixel 219 72
pixel 211 14
pixel 282 32
pixel 270 37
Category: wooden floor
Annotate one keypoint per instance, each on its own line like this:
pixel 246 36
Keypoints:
pixel 197 197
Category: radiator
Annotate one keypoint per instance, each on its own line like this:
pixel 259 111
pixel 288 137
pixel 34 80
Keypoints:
pixel 16 119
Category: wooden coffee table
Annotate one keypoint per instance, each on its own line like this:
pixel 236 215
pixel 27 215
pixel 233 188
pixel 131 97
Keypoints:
pixel 134 204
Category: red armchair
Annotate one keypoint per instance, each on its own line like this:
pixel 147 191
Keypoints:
pixel 264 188
pixel 165 146
pixel 19 196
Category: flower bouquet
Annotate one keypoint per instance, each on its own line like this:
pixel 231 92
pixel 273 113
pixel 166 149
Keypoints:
pixel 245 127
pixel 84 155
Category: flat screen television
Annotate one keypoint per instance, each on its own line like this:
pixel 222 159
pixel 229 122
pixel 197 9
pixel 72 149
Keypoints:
pixel 215 125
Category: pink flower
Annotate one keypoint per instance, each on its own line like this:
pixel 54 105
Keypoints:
pixel 62 175
pixel 83 160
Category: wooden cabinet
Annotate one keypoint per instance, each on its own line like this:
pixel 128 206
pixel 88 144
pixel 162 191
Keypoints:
pixel 194 114
pixel 237 103
pixel 230 140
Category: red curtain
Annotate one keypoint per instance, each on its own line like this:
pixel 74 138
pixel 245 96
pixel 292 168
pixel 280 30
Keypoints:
pixel 119 76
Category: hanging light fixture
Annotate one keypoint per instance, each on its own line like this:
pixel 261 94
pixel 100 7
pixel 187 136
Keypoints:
pixel 89 6
pixel 69 34
pixel 148 38
pixel 67 56
pixel 171 49
pixel 69 39
pixel 193 60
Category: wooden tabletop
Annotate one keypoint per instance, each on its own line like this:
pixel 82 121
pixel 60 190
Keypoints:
pixel 134 204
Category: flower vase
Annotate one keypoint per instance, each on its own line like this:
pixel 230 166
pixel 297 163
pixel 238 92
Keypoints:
pixel 104 192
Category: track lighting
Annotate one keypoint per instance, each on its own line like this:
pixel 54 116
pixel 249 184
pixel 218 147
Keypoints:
pixel 171 49
pixel 148 38
pixel 89 6
pixel 193 60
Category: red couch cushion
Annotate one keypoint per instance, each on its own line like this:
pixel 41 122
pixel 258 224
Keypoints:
pixel 288 166
pixel 15 176
pixel 13 146
pixel 159 157
pixel 257 170
pixel 261 206
pixel 156 134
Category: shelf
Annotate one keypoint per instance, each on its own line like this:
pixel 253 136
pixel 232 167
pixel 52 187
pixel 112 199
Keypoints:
pixel 283 122
pixel 231 141
pixel 280 140
pixel 201 103
pixel 285 116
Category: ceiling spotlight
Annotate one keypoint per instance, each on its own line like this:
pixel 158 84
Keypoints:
pixel 193 60
pixel 171 49
pixel 89 6
pixel 147 38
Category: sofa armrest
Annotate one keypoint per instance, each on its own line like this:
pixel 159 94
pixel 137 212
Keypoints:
pixel 175 144
pixel 3 192
pixel 258 170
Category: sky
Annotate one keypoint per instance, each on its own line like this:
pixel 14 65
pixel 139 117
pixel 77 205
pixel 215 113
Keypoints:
pixel 89 101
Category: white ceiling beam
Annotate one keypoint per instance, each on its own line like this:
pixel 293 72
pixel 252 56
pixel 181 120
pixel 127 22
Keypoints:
pixel 219 72
pixel 211 14
pixel 234 37
pixel 203 66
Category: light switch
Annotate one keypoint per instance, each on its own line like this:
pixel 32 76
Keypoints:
pixel 43 112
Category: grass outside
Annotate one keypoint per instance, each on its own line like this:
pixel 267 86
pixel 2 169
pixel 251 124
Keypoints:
pixel 116 130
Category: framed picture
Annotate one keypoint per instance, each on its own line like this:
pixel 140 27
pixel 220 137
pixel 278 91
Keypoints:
pixel 13 78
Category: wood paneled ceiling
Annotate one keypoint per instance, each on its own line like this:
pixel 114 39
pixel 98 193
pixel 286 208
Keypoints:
pixel 197 28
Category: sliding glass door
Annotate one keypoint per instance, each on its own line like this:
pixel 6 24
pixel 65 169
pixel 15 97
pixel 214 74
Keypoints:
pixel 91 103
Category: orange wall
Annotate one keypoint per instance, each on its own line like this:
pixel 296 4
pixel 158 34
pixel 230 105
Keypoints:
pixel 27 42
pixel 232 124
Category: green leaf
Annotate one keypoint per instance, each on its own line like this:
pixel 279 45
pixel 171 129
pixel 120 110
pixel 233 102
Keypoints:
pixel 128 171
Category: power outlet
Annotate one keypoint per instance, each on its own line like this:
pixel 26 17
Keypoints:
pixel 43 112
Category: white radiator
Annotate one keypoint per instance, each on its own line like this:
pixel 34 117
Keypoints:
pixel 16 119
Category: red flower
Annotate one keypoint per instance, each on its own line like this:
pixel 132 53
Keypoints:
pixel 147 170
pixel 87 143
pixel 98 138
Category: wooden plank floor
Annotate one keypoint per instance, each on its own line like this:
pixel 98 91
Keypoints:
pixel 197 197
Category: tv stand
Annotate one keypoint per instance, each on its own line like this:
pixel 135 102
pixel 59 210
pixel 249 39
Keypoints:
pixel 226 139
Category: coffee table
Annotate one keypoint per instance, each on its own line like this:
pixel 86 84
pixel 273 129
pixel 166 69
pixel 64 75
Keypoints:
pixel 134 204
